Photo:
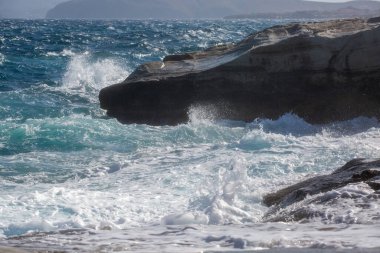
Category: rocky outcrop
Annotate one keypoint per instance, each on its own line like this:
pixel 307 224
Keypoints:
pixel 350 194
pixel 358 170
pixel 321 71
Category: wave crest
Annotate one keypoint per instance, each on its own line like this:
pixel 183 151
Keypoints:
pixel 84 75
pixel 2 59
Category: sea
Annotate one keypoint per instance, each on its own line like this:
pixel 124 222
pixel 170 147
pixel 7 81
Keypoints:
pixel 74 180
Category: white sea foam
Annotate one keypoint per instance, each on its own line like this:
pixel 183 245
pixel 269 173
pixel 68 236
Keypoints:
pixel 29 227
pixel 203 114
pixel 2 59
pixel 20 38
pixel 202 173
pixel 72 208
pixel 185 219
pixel 141 56
pixel 286 124
pixel 65 53
pixel 84 75
pixel 217 171
pixel 282 237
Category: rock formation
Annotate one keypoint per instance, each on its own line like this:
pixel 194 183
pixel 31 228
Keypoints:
pixel 355 185
pixel 321 71
pixel 358 170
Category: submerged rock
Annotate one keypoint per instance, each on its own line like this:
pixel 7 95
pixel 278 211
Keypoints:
pixel 358 170
pixel 321 71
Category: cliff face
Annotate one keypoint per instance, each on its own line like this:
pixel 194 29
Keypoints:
pixel 175 9
pixel 323 72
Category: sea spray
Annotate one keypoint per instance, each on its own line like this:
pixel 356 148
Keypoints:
pixel 87 76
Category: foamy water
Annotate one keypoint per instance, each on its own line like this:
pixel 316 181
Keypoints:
pixel 87 183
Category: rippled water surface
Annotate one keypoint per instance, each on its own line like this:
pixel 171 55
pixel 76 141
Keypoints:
pixel 71 178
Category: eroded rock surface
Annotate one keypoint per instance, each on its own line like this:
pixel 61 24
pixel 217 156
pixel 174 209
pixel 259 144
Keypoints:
pixel 321 71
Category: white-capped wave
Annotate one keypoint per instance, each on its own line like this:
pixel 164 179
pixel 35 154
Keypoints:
pixel 2 59
pixel 223 201
pixel 85 75
pixel 141 56
pixel 63 208
pixel 28 227
pixel 65 53
pixel 290 123
pixel 287 124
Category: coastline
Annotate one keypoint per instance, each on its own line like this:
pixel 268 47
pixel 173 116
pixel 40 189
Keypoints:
pixel 277 250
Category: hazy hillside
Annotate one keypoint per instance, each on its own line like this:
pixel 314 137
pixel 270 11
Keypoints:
pixel 171 9
pixel 26 8
pixel 348 12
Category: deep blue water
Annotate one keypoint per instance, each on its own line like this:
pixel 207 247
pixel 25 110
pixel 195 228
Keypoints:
pixel 64 164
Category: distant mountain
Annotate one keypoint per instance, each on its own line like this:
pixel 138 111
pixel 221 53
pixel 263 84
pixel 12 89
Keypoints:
pixel 186 9
pixel 348 12
pixel 26 8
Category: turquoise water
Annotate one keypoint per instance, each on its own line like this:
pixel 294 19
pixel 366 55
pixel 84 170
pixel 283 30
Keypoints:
pixel 65 165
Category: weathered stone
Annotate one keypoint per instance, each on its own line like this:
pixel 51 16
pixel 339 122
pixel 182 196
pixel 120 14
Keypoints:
pixel 375 183
pixel 358 170
pixel 181 57
pixel 321 71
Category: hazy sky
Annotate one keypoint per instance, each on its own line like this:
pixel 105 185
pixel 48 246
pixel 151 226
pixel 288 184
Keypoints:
pixel 38 8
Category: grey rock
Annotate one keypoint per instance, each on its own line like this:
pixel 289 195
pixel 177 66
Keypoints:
pixel 358 170
pixel 321 71
pixel 374 183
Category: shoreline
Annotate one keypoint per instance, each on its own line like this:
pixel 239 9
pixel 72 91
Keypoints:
pixel 275 250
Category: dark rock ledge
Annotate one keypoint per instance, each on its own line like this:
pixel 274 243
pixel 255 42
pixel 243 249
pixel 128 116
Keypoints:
pixel 356 171
pixel 321 71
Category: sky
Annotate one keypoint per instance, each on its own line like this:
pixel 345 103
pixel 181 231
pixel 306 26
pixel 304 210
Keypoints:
pixel 38 8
